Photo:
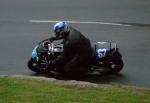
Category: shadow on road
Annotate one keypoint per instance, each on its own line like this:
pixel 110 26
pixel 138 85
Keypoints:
pixel 93 78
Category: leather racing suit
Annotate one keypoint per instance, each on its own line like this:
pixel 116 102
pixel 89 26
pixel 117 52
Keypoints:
pixel 77 53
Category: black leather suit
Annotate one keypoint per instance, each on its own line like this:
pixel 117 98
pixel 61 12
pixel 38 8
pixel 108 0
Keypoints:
pixel 77 53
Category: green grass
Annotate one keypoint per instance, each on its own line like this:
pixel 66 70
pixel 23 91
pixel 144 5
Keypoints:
pixel 23 90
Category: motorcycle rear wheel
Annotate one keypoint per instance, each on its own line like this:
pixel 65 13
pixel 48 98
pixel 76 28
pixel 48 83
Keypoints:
pixel 113 67
pixel 116 66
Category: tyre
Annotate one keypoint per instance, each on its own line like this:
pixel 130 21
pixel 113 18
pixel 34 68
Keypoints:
pixel 116 65
pixel 113 66
pixel 37 67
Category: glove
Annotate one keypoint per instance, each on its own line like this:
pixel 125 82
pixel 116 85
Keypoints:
pixel 51 39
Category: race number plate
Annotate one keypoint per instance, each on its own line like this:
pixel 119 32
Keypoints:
pixel 101 53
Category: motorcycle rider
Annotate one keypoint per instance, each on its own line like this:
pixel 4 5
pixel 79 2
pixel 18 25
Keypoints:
pixel 77 50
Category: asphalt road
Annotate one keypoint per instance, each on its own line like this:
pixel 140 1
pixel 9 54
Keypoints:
pixel 18 36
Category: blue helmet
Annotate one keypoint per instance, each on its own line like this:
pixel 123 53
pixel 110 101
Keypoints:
pixel 60 28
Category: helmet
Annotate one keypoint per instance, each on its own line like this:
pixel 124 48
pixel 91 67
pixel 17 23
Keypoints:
pixel 60 28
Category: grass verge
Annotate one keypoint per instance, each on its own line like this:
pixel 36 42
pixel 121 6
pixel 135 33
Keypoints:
pixel 27 90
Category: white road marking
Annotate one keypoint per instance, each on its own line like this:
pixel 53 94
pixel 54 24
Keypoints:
pixel 78 22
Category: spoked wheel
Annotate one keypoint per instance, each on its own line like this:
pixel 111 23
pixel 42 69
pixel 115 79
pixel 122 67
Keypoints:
pixel 37 67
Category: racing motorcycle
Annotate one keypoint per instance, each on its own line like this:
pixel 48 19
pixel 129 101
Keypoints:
pixel 106 57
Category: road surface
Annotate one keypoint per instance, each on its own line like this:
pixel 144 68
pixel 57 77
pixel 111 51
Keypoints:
pixel 18 35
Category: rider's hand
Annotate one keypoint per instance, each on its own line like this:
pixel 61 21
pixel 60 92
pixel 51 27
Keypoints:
pixel 51 39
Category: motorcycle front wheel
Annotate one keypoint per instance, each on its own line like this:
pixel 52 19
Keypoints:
pixel 37 67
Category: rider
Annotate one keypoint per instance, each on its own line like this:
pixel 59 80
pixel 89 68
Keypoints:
pixel 77 50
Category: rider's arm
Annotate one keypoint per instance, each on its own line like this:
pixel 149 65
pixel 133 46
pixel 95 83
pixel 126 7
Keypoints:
pixel 51 39
pixel 63 59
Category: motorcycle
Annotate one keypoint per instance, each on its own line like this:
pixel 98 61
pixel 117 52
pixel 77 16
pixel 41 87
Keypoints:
pixel 106 57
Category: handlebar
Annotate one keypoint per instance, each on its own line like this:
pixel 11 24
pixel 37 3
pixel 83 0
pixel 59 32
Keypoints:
pixel 51 48
pixel 55 48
